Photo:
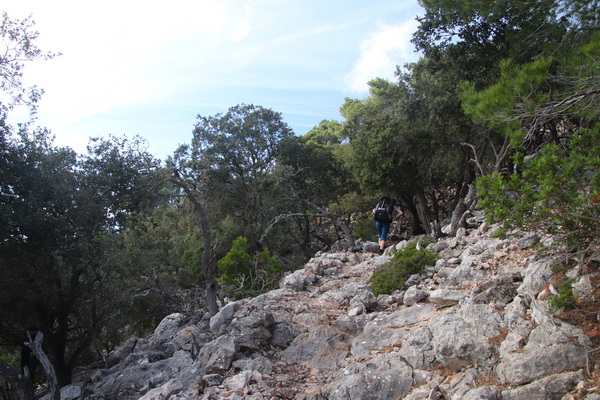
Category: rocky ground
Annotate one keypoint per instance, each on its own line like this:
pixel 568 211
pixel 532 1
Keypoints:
pixel 476 325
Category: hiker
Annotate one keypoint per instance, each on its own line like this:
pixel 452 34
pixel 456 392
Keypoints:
pixel 385 211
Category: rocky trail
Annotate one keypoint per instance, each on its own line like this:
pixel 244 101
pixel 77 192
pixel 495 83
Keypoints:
pixel 476 325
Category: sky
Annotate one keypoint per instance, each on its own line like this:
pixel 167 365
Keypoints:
pixel 149 68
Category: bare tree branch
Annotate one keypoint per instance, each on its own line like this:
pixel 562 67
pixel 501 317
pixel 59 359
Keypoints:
pixel 476 158
pixel 322 212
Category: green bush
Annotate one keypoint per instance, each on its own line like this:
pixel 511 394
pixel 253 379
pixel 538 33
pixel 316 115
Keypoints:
pixel 364 228
pixel 556 192
pixel 393 274
pixel 565 297
pixel 244 273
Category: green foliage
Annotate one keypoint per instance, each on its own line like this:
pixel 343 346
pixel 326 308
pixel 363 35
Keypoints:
pixel 18 38
pixel 238 261
pixel 310 166
pixel 244 273
pixel 521 28
pixel 231 164
pixel 407 138
pixel 10 355
pixel 353 202
pixel 534 102
pixel 557 192
pixel 565 297
pixel 393 274
pixel 312 177
pixel 364 228
pixel 500 234
pixel 427 240
pixel 61 220
pixel 327 133
pixel 518 85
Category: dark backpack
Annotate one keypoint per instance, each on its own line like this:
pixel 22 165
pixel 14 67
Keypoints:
pixel 384 210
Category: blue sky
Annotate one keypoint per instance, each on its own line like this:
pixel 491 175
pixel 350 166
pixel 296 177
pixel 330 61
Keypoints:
pixel 148 68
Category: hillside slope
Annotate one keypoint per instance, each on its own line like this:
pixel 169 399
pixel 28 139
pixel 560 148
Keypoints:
pixel 474 326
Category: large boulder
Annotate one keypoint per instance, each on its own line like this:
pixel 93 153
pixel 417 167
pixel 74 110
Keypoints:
pixel 219 323
pixel 216 357
pixel 323 347
pixel 389 329
pixel 461 336
pixel 551 347
pixel 537 274
pixel 385 377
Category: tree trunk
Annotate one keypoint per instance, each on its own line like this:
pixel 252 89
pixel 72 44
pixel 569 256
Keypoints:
pixel 208 263
pixel 423 209
pixel 462 210
pixel 55 330
pixel 417 226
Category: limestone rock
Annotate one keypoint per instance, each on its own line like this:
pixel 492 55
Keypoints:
pixel 383 378
pixel 165 391
pixel 550 348
pixel 537 274
pixel 295 281
pixel 413 295
pixel 447 297
pixel 461 335
pixel 217 356
pixel 471 321
pixel 551 387
pixel 386 330
pixel 218 323
pixel 323 347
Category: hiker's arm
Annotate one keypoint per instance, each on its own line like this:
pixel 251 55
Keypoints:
pixel 397 213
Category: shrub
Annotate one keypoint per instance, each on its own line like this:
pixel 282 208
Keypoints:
pixel 556 192
pixel 245 273
pixel 565 297
pixel 364 228
pixel 393 274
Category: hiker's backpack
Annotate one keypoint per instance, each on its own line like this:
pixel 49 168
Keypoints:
pixel 384 210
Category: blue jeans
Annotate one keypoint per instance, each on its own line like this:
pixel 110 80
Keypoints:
pixel 382 228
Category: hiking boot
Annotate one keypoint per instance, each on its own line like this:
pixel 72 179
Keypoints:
pixel 380 252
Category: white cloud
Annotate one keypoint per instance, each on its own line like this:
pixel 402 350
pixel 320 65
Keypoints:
pixel 380 53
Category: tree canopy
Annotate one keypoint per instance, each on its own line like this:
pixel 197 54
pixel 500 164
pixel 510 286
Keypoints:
pixel 61 219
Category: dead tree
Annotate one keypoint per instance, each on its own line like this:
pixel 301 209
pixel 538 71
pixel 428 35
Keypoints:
pixel 22 381
pixel 36 348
